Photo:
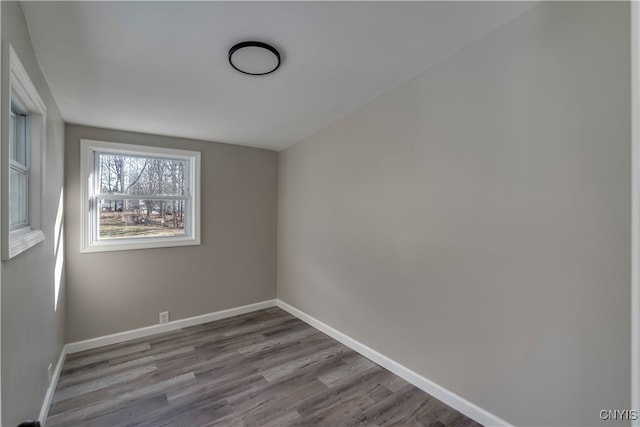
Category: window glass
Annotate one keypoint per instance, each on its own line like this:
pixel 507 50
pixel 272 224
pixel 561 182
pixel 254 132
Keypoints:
pixel 18 138
pixel 146 178
pixel 141 218
pixel 18 198
pixel 18 172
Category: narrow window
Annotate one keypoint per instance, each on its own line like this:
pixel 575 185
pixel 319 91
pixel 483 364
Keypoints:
pixel 23 143
pixel 19 171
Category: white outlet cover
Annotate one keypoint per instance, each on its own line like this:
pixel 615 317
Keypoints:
pixel 164 317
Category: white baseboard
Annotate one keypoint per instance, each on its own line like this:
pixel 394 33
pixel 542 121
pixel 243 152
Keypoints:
pixel 459 403
pixel 77 346
pixel 46 403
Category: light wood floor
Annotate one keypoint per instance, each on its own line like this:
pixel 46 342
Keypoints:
pixel 261 368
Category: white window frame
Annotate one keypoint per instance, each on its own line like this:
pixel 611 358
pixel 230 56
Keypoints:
pixel 89 241
pixel 19 90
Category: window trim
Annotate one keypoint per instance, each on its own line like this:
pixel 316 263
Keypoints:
pixel 19 90
pixel 88 242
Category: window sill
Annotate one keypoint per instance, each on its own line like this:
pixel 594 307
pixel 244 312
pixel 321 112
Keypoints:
pixel 139 243
pixel 22 240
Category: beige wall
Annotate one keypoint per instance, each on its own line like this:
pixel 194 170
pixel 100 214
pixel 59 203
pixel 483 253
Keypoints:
pixel 32 324
pixel 473 224
pixel 235 264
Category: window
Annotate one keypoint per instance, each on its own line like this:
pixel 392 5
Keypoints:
pixel 137 197
pixel 23 140
pixel 19 171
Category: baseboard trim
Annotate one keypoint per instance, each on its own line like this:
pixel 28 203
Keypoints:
pixel 457 402
pixel 46 403
pixel 77 346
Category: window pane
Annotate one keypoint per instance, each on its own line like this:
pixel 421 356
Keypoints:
pixel 18 138
pixel 12 135
pixel 18 198
pixel 141 218
pixel 132 175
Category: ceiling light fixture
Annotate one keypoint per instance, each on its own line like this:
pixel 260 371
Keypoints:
pixel 254 58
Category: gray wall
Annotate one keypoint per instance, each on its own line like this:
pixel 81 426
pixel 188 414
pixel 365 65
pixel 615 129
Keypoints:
pixel 235 264
pixel 32 325
pixel 473 224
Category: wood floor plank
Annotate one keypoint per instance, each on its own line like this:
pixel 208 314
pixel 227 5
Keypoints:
pixel 360 385
pixel 76 416
pixel 264 368
pixel 79 361
pixel 102 382
pixel 280 403
pixel 197 414
pixel 341 412
pixel 346 369
pixel 130 413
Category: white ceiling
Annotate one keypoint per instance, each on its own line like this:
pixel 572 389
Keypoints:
pixel 162 67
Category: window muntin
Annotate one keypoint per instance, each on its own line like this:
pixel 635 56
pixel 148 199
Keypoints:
pixel 139 197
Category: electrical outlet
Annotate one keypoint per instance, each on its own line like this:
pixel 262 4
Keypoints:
pixel 164 317
pixel 50 372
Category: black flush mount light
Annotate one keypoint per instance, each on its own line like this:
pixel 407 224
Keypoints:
pixel 254 58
